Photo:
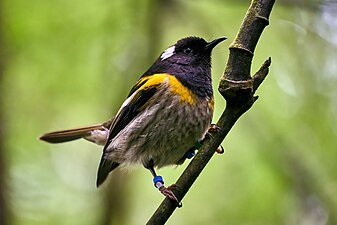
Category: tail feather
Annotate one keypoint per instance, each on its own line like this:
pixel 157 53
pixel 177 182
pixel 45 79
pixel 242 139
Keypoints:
pixel 71 134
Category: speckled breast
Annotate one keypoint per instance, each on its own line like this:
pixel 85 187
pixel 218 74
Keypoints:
pixel 164 131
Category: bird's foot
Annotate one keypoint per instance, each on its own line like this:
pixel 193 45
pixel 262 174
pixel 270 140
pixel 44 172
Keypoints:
pixel 212 130
pixel 167 192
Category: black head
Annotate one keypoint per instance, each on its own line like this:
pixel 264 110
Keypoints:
pixel 190 61
pixel 190 51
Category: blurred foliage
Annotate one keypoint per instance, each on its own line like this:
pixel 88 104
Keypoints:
pixel 71 63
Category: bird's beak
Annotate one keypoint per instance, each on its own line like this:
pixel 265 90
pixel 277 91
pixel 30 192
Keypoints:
pixel 210 45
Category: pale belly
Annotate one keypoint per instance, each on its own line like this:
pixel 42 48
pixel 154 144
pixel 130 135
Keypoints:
pixel 163 133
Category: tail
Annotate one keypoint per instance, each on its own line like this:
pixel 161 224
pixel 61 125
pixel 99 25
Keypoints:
pixel 105 167
pixel 94 133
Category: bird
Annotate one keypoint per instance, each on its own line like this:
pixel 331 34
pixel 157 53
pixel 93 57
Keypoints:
pixel 165 115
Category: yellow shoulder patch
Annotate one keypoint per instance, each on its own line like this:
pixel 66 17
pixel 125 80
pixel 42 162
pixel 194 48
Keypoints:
pixel 211 104
pixel 177 87
pixel 151 81
pixel 186 95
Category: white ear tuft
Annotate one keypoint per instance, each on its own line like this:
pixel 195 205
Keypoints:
pixel 168 53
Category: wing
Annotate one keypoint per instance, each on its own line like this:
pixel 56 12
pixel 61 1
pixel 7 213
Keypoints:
pixel 137 101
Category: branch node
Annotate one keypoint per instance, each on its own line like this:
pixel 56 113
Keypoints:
pixel 264 19
pixel 241 47
pixel 236 92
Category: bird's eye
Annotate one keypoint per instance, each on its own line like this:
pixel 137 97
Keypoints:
pixel 187 50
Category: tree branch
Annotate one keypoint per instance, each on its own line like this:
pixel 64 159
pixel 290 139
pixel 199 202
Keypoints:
pixel 238 88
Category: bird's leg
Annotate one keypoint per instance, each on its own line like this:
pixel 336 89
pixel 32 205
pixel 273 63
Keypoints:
pixel 159 184
pixel 190 153
pixel 211 130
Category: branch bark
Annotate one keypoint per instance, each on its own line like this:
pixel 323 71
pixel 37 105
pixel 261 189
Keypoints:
pixel 238 87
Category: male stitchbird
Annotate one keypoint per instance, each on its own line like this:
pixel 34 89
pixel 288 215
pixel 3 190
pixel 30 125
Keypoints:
pixel 167 112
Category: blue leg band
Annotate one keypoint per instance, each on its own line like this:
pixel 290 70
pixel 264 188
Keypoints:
pixel 158 181
pixel 189 154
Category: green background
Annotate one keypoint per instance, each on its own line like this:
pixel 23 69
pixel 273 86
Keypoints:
pixel 72 63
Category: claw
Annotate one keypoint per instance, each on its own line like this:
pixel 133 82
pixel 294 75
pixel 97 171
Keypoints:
pixel 220 150
pixel 167 191
pixel 214 128
pixel 211 130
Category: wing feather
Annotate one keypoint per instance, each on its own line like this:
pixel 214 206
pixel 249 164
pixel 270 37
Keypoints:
pixel 137 101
